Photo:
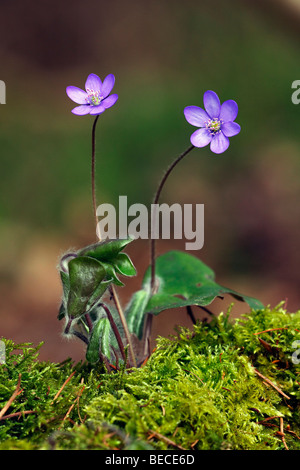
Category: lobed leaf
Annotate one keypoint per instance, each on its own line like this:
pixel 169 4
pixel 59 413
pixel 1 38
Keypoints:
pixel 90 272
pixel 182 280
pixel 135 312
pixel 85 277
pixel 99 341
pixel 106 250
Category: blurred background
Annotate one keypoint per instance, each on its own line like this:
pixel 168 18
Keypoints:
pixel 165 55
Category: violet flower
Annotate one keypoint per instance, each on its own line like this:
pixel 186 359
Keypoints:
pixel 216 122
pixel 95 100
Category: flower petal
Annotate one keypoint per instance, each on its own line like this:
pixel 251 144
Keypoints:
pixel 76 94
pixel 97 109
pixel 229 111
pixel 230 128
pixel 93 82
pixel 212 104
pixel 82 110
pixel 219 143
pixel 196 116
pixel 109 101
pixel 107 85
pixel 201 137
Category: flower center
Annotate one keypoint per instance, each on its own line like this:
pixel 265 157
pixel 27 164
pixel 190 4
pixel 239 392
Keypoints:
pixel 94 98
pixel 214 125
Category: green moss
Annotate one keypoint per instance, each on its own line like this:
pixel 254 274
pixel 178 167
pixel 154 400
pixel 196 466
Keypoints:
pixel 198 390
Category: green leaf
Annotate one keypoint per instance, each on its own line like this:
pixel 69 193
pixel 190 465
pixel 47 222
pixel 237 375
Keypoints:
pixel 66 289
pixel 111 274
pixel 91 271
pixel 185 280
pixel 135 312
pixel 85 276
pixel 105 251
pixel 98 293
pixel 124 265
pixel 108 253
pixel 99 341
pixel 65 283
pixel 62 312
pixel 182 280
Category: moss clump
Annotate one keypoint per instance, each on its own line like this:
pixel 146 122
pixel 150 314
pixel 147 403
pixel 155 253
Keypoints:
pixel 224 385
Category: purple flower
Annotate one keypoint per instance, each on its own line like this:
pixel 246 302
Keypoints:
pixel 216 122
pixel 96 99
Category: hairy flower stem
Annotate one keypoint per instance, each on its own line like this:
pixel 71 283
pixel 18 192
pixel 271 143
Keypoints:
pixel 124 323
pixel 93 171
pixel 153 240
pixel 68 326
pixel 115 330
pixel 112 290
pixel 88 321
pixel 80 336
pixel 74 332
pixel 155 202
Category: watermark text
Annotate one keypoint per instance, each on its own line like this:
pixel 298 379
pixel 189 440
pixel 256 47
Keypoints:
pixel 296 354
pixel 2 352
pixel 164 222
pixel 2 92
pixel 296 94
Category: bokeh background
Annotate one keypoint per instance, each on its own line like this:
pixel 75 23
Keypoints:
pixel 164 55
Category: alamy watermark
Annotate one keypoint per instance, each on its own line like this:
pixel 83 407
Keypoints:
pixel 296 354
pixel 2 352
pixel 296 94
pixel 2 92
pixel 164 222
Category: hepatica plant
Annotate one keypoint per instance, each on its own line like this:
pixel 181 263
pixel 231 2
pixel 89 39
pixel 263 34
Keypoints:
pixel 96 98
pixel 90 306
pixel 216 122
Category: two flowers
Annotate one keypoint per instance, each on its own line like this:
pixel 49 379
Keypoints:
pixel 216 122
